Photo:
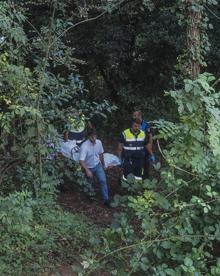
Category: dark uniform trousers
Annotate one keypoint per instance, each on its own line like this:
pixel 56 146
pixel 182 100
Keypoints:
pixel 133 152
pixel 133 165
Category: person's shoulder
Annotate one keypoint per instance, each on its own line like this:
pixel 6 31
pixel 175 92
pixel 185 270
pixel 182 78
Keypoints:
pixel 145 125
pixel 145 122
pixel 99 142
pixel 127 130
pixel 142 133
pixel 84 144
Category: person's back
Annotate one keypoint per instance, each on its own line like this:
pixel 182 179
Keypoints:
pixel 76 128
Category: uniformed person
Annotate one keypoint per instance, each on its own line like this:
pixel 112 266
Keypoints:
pixel 149 156
pixel 76 128
pixel 131 149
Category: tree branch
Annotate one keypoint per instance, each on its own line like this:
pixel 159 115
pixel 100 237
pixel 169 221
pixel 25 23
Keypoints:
pixel 85 21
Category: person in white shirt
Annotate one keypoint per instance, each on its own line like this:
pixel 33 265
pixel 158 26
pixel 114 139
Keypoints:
pixel 92 161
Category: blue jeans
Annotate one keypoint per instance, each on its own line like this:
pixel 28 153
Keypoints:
pixel 100 174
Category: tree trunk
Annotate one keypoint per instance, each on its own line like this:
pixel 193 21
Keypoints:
pixel 194 39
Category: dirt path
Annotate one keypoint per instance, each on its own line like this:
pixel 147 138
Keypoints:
pixel 63 271
pixel 77 202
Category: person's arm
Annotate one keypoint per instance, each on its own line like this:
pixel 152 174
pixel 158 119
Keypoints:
pixel 87 170
pixel 120 145
pixel 89 124
pixel 66 135
pixel 149 148
pixel 82 157
pixel 149 145
pixel 120 149
pixel 66 132
pixel 101 152
pixel 101 157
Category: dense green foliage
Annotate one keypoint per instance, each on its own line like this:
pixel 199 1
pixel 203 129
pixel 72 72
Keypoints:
pixel 34 100
pixel 177 213
pixel 93 56
pixel 130 52
pixel 35 233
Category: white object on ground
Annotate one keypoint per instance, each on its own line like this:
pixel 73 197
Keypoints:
pixel 111 160
pixel 135 177
pixel 70 150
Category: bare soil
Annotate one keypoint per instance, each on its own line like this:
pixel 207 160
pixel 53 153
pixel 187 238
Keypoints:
pixel 74 201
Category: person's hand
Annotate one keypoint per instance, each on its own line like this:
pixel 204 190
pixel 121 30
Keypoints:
pixel 152 158
pixel 89 174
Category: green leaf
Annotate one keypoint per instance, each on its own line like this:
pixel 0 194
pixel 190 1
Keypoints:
pixel 166 244
pixel 188 262
pixel 188 87
pixel 189 106
pixel 208 188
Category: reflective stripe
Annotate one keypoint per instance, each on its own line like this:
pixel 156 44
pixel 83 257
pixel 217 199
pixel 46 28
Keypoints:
pixel 133 148
pixel 134 143
pixel 135 177
pixel 134 140
pixel 79 141
pixel 130 140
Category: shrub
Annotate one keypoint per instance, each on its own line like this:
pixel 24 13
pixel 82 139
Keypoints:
pixel 32 231
pixel 171 225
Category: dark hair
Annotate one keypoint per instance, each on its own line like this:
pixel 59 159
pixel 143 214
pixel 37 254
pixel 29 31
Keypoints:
pixel 135 121
pixel 137 109
pixel 91 132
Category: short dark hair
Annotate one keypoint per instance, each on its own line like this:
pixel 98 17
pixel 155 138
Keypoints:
pixel 135 121
pixel 91 132
pixel 137 109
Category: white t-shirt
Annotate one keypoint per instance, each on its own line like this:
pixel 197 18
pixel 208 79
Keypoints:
pixel 89 153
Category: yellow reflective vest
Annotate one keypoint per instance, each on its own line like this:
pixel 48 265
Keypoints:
pixel 77 124
pixel 134 143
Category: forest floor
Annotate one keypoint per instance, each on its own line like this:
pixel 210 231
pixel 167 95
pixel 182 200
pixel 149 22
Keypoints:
pixel 77 202
pixel 73 200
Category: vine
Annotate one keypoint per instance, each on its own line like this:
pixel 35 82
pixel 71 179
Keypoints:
pixel 192 15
